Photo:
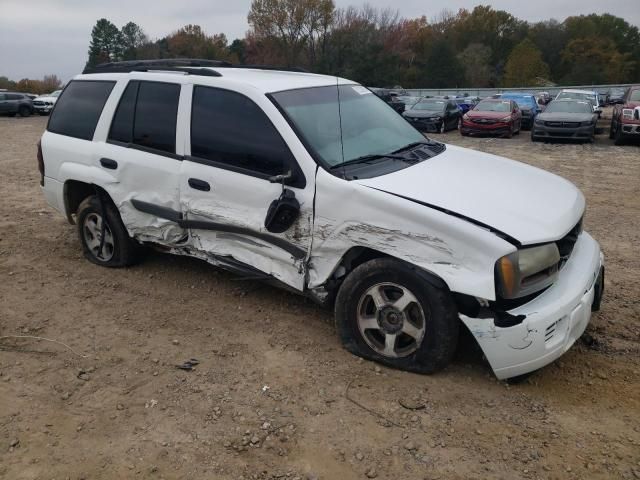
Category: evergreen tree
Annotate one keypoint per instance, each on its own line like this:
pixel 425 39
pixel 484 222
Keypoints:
pixel 106 43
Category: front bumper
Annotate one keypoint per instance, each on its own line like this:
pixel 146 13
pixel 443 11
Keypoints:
pixel 631 129
pixel 575 133
pixel 43 108
pixel 473 128
pixel 553 321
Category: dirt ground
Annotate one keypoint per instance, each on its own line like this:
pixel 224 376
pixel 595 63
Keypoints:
pixel 274 395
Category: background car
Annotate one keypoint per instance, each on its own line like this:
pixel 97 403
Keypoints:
pixel 566 119
pixel 528 106
pixel 391 97
pixel 44 103
pixel 573 94
pixel 465 103
pixel 625 120
pixel 615 96
pixel 492 117
pixel 434 115
pixel 12 103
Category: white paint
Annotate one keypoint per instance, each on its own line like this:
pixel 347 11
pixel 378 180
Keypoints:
pixel 528 204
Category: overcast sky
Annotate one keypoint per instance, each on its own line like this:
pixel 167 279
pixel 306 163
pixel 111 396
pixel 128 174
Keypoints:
pixel 39 37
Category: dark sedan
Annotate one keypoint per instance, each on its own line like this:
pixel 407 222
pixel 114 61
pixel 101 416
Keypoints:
pixel 434 115
pixel 566 119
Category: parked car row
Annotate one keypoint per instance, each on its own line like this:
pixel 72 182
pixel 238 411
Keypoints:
pixel 25 104
pixel 572 115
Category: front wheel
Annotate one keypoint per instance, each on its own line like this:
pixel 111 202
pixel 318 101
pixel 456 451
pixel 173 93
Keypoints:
pixel 104 238
pixel 385 311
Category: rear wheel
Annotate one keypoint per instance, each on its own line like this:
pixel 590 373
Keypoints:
pixel 386 312
pixel 24 111
pixel 104 238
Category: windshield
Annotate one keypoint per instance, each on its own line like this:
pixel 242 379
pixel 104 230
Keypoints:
pixel 526 102
pixel 502 106
pixel 569 107
pixel 369 125
pixel 635 96
pixel 577 96
pixel 56 93
pixel 431 105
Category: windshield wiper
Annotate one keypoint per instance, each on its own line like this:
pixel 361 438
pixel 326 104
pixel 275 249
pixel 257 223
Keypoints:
pixel 366 158
pixel 429 143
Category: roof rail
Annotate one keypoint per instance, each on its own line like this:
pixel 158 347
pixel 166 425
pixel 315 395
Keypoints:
pixel 159 64
pixel 194 66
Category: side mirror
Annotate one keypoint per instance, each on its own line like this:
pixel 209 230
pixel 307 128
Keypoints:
pixel 283 211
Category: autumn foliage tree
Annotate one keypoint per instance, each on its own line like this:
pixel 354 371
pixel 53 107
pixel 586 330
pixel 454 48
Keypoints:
pixel 525 66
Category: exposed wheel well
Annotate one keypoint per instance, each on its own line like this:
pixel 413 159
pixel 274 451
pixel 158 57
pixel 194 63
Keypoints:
pixel 75 192
pixel 355 257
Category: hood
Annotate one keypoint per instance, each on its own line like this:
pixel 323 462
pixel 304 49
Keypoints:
pixel 422 113
pixel 566 117
pixel 524 202
pixel 631 105
pixel 486 114
pixel 46 98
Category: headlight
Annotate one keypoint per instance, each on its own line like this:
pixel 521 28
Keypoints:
pixel 527 271
pixel 539 121
pixel 627 113
pixel 506 119
pixel 465 116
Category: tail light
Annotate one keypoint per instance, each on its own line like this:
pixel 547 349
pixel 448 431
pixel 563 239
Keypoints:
pixel 40 163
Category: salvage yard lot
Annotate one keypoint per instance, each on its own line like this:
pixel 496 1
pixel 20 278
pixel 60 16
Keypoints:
pixel 274 394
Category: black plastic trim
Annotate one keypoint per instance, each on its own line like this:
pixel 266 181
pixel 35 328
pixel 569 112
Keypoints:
pixel 154 151
pixel 497 232
pixel 177 217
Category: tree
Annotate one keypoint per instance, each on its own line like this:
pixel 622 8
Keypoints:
pixel 593 60
pixel 51 83
pixel 525 66
pixel 192 42
pixel 132 39
pixel 475 60
pixel 106 43
pixel 238 50
pixel 443 67
pixel 291 26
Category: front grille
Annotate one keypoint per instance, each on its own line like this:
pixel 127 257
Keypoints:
pixel 483 121
pixel 566 243
pixel 38 102
pixel 562 124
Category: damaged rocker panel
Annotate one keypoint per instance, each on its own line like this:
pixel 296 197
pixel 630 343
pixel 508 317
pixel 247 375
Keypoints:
pixel 177 217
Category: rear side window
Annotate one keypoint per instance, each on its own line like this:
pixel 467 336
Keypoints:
pixel 230 129
pixel 14 96
pixel 79 107
pixel 147 116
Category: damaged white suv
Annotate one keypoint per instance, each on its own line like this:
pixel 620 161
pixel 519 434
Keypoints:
pixel 315 183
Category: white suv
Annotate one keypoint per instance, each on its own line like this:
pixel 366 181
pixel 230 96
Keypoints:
pixel 315 183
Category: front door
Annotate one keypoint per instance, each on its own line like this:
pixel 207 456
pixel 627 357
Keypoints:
pixel 227 188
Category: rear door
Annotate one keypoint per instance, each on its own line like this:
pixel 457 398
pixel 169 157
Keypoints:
pixel 4 104
pixel 143 153
pixel 226 193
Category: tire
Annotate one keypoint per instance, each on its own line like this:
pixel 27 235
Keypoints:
pixel 510 133
pixel 618 137
pixel 612 131
pixel 118 250
pixel 24 111
pixel 430 318
pixel 443 127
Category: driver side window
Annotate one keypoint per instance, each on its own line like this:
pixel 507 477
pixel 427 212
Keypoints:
pixel 228 130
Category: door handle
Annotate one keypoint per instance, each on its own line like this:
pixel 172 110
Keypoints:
pixel 108 163
pixel 199 184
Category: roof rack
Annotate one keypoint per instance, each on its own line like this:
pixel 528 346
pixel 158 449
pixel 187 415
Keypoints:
pixel 194 66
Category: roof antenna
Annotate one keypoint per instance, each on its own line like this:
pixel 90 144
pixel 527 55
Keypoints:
pixel 344 175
